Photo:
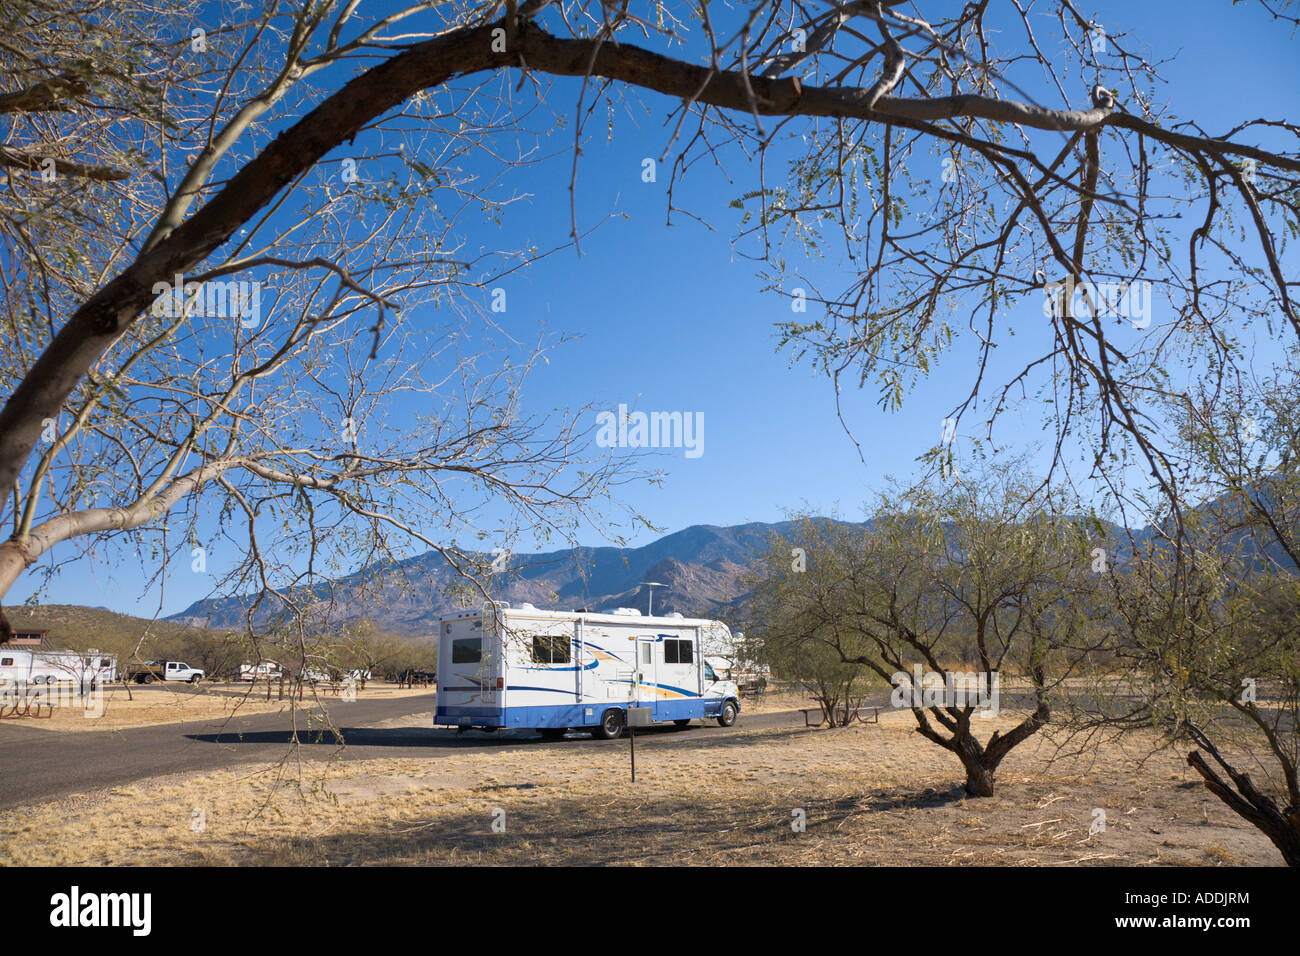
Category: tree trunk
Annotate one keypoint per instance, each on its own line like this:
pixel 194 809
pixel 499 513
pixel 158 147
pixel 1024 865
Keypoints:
pixel 979 781
pixel 979 775
pixel 1259 809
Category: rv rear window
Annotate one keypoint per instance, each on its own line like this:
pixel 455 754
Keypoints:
pixel 551 649
pixel 678 652
pixel 467 650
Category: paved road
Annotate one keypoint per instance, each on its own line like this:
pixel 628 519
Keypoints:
pixel 38 764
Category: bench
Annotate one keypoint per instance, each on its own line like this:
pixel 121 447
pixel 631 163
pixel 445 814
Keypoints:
pixel 807 716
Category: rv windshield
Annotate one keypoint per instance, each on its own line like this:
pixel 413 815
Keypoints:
pixel 708 672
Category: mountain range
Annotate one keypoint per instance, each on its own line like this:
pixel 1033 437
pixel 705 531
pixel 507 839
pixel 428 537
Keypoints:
pixel 700 566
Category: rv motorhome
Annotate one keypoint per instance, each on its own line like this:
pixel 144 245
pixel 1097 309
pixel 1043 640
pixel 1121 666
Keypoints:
pixel 558 670
pixel 54 667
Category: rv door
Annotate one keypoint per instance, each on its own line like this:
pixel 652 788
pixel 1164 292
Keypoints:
pixel 579 659
pixel 648 669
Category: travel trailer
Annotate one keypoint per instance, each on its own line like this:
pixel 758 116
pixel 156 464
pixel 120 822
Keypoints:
pixel 559 670
pixel 263 670
pixel 54 667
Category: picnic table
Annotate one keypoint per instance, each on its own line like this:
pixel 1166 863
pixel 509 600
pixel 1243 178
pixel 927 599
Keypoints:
pixel 846 714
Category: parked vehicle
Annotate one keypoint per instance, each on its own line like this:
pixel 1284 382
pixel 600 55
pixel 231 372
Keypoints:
pixel 721 666
pixel 21 666
pixel 265 670
pixel 557 670
pixel 151 671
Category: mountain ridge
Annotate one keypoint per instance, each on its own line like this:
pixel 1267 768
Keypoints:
pixel 701 564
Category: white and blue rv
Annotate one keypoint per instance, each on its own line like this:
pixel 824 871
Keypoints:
pixel 559 670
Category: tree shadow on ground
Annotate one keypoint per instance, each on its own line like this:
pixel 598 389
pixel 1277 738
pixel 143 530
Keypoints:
pixel 504 824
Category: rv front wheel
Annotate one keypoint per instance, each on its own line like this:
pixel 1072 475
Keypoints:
pixel 611 725
pixel 727 716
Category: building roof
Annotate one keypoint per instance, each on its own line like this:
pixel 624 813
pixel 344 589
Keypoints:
pixel 27 637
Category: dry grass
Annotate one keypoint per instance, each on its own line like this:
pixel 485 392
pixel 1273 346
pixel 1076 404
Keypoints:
pixel 873 794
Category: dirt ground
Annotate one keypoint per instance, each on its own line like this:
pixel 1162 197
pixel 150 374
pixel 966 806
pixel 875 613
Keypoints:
pixel 152 704
pixel 868 794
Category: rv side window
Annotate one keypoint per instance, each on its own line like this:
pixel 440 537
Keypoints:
pixel 708 672
pixel 7 662
pixel 550 649
pixel 467 650
pixel 678 652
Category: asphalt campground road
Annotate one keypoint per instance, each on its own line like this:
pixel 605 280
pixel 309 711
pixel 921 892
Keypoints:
pixel 39 765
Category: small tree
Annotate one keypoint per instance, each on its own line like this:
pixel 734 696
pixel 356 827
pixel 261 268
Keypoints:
pixel 987 563
pixel 796 645
pixel 1207 609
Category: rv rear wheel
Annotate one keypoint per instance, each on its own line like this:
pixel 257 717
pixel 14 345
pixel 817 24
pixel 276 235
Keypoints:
pixel 727 716
pixel 611 725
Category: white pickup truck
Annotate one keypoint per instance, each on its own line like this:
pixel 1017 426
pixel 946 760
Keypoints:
pixel 151 671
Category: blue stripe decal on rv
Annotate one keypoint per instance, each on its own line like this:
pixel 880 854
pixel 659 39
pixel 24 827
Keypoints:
pixel 551 690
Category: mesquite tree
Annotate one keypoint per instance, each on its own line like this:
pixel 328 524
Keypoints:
pixel 983 585
pixel 1206 631
pixel 259 382
pixel 215 144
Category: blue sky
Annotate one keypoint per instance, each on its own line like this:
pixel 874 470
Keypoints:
pixel 670 319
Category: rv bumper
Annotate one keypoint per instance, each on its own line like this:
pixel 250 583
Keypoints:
pixel 453 716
